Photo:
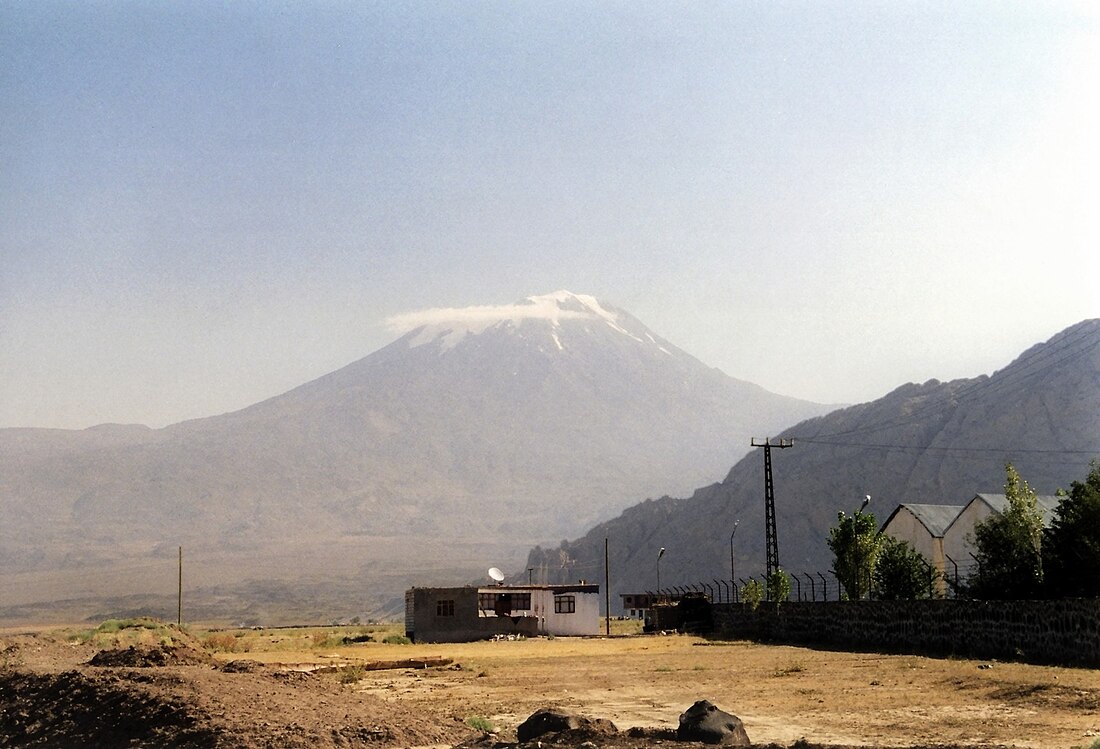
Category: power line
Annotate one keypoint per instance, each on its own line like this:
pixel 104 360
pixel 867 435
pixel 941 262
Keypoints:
pixel 918 448
pixel 1046 457
pixel 1055 354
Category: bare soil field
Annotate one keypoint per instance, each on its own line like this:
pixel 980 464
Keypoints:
pixel 156 686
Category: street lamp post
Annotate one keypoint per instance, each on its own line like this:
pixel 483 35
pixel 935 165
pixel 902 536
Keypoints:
pixel 660 554
pixel 859 547
pixel 733 570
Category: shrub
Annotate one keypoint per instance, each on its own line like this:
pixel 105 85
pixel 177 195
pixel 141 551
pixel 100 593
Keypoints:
pixel 118 632
pixel 481 724
pixel 221 641
pixel 752 593
pixel 112 626
pixel 397 640
pixel 902 573
pixel 352 674
pixel 779 586
pixel 356 639
pixel 793 668
pixel 327 640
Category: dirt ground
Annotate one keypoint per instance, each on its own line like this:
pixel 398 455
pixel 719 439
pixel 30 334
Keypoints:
pixel 288 689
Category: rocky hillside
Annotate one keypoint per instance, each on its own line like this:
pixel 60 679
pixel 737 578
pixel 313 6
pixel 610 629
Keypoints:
pixel 936 443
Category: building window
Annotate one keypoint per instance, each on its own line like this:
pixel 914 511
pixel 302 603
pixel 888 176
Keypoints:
pixel 445 608
pixel 503 604
pixel 565 604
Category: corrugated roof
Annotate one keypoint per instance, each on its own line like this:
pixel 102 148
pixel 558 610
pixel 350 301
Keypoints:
pixel 999 502
pixel 935 518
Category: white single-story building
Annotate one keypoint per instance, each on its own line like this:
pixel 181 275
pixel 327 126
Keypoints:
pixel 480 613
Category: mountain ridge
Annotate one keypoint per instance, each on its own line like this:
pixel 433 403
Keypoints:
pixel 517 433
pixel 935 443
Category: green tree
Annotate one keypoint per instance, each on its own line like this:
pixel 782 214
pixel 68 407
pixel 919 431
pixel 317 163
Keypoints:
pixel 855 543
pixel 1008 546
pixel 902 572
pixel 779 586
pixel 1071 546
pixel 752 593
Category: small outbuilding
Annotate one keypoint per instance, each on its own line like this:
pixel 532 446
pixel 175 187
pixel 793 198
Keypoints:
pixel 480 613
pixel 637 605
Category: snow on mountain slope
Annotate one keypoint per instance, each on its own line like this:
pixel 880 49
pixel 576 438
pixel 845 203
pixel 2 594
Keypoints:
pixel 450 326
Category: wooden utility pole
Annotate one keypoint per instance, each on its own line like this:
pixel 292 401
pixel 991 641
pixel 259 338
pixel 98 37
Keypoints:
pixel 179 593
pixel 607 586
pixel 771 542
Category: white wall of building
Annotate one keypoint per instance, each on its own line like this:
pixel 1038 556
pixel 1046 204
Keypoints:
pixel 905 526
pixel 583 620
pixel 955 543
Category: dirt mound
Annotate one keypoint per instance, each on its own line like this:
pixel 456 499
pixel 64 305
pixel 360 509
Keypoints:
pixel 185 708
pixel 77 709
pixel 151 656
pixel 243 666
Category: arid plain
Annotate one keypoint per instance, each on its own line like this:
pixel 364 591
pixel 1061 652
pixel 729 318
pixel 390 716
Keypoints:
pixel 783 694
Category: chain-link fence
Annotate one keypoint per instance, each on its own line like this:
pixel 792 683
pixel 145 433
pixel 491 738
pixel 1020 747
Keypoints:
pixel 813 586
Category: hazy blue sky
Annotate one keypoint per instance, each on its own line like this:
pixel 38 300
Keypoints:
pixel 203 204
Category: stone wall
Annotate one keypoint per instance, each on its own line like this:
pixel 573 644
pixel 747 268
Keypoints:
pixel 1061 631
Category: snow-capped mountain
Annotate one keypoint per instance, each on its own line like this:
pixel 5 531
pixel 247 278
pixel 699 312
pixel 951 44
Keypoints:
pixel 492 426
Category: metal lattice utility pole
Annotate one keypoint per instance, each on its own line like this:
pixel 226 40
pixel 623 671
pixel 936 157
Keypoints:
pixel 771 541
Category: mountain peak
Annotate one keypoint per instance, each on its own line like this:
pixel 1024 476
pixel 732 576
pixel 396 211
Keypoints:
pixel 567 301
pixel 452 324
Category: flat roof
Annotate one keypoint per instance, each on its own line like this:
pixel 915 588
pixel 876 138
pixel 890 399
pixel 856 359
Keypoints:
pixel 575 588
pixel 567 588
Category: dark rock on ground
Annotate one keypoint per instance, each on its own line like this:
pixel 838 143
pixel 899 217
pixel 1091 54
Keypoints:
pixel 549 720
pixel 704 722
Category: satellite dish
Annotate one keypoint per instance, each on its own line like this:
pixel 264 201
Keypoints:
pixel 496 574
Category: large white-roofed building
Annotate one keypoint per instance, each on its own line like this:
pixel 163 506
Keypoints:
pixel 924 527
pixel 957 541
